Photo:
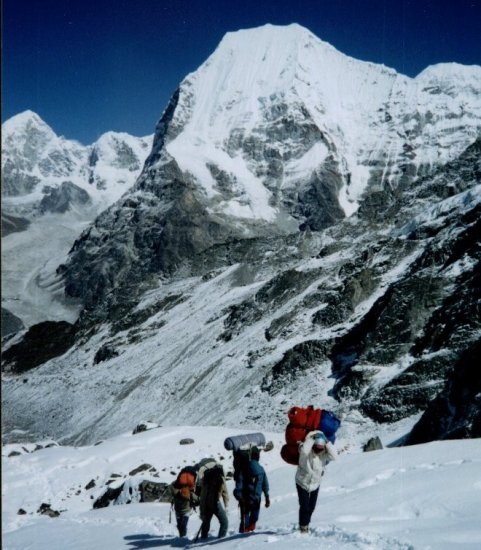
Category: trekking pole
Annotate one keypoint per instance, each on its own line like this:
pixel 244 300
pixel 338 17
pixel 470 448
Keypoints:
pixel 198 533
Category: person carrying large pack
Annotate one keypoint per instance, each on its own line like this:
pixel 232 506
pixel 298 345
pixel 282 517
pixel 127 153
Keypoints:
pixel 251 483
pixel 249 476
pixel 310 437
pixel 183 497
pixel 315 452
pixel 212 488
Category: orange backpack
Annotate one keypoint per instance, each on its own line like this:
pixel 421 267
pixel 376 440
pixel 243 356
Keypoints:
pixel 186 482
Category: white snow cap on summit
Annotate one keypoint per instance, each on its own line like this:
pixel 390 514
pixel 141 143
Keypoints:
pixel 369 112
pixel 254 70
pixel 452 72
pixel 19 123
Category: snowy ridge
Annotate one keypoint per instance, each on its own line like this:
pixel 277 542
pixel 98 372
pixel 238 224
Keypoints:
pixel 423 496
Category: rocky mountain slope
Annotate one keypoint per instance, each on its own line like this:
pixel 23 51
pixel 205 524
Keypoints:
pixel 51 189
pixel 304 230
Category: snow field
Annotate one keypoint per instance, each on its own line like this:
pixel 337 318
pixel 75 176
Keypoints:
pixel 420 497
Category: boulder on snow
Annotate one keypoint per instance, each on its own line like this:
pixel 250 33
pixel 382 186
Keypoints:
pixel 186 441
pixel 151 491
pixel 141 468
pixel 46 510
pixel 373 444
pixel 90 485
pixel 110 495
pixel 144 426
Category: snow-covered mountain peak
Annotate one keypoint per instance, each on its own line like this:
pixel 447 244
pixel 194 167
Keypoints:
pixel 121 149
pixel 450 72
pixel 256 67
pixel 22 122
pixel 236 113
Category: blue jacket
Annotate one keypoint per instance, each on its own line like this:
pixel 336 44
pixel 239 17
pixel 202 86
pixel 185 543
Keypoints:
pixel 252 483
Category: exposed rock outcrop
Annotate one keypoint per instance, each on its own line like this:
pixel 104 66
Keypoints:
pixel 41 343
pixel 10 323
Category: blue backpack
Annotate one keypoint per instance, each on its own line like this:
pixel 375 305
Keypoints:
pixel 329 425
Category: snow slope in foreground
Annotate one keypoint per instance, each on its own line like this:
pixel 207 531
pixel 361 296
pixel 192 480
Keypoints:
pixel 420 497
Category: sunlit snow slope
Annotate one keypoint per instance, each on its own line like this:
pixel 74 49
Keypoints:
pixel 420 497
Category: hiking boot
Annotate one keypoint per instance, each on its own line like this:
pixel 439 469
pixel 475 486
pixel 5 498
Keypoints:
pixel 304 529
pixel 250 528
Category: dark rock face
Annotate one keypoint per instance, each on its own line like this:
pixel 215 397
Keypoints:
pixel 318 202
pixel 279 290
pixel 392 323
pixel 300 358
pixel 105 353
pixel 10 323
pixel 60 199
pixel 456 412
pixel 340 302
pixel 430 314
pixel 41 343
pixel 137 243
pixel 13 224
pixel 410 392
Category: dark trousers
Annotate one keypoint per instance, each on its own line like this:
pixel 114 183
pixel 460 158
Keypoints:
pixel 220 514
pixel 250 514
pixel 182 521
pixel 307 504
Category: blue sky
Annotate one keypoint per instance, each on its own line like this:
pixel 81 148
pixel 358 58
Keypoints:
pixel 87 66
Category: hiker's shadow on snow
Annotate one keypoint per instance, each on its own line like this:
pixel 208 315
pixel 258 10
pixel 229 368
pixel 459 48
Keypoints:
pixel 153 541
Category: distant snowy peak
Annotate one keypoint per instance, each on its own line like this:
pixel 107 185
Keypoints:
pixel 451 74
pixel 120 150
pixel 20 125
pixel 32 151
pixel 33 157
